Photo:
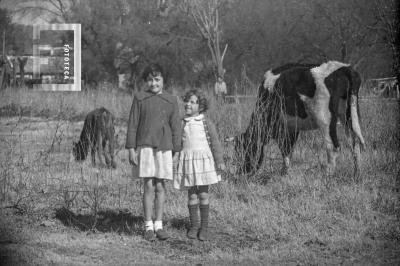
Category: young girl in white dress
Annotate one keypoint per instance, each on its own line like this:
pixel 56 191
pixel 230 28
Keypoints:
pixel 153 134
pixel 199 162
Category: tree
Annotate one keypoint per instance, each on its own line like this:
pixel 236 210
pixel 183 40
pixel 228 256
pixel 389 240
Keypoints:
pixel 206 16
pixel 261 35
pixel 55 11
pixel 5 28
pixel 133 32
pixel 340 30
pixel 345 35
pixel 7 73
pixel 190 37
pixel 387 27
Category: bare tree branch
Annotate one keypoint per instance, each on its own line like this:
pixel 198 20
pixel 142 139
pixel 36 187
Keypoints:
pixel 205 15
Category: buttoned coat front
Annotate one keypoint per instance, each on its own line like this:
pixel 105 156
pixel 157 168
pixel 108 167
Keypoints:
pixel 154 121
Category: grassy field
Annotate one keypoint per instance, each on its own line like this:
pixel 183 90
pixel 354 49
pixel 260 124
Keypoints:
pixel 55 211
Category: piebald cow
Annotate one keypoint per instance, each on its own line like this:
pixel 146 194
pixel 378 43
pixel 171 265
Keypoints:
pixel 294 98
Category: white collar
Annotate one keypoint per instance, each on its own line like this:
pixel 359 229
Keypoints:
pixel 195 118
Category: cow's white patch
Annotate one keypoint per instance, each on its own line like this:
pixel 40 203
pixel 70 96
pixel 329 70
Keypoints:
pixel 319 104
pixel 269 80
pixel 327 68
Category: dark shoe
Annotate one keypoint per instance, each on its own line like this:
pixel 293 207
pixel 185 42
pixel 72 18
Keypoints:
pixel 193 232
pixel 149 235
pixel 203 234
pixel 162 234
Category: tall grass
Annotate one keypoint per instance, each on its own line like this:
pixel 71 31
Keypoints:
pixel 249 214
pixel 69 104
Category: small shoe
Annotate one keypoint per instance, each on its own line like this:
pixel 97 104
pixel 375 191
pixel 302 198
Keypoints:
pixel 203 234
pixel 149 235
pixel 192 233
pixel 162 234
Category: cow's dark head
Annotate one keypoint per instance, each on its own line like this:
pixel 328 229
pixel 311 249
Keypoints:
pixel 79 151
pixel 249 145
pixel 248 148
pixel 244 151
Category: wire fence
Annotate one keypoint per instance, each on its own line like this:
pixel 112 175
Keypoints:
pixel 237 99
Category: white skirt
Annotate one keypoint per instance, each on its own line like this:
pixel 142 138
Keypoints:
pixel 154 163
pixel 195 168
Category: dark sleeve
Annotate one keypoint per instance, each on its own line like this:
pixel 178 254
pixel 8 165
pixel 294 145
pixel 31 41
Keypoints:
pixel 216 146
pixel 133 123
pixel 176 129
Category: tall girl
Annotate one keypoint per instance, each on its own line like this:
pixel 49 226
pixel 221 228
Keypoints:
pixel 198 162
pixel 154 133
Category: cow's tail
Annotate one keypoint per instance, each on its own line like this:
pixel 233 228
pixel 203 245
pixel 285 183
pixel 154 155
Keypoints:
pixel 352 110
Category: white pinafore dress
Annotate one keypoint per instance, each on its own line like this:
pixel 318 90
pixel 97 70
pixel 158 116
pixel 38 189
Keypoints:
pixel 153 163
pixel 195 165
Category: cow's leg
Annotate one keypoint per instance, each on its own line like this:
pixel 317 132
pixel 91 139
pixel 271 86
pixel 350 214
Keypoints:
pixel 320 108
pixel 355 147
pixel 100 148
pixel 286 146
pixel 323 120
pixel 106 152
pixel 356 156
pixel 331 150
pixel 332 154
pixel 323 117
pixel 93 153
pixel 260 158
pixel 92 145
pixel 111 147
pixel 333 128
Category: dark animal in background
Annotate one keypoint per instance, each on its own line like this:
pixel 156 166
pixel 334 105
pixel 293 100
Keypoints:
pixel 296 98
pixel 98 131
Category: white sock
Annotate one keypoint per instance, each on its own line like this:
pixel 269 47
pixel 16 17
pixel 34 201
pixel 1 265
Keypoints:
pixel 149 226
pixel 157 225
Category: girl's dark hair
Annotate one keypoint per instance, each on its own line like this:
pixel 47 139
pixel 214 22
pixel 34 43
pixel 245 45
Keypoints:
pixel 154 70
pixel 201 98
